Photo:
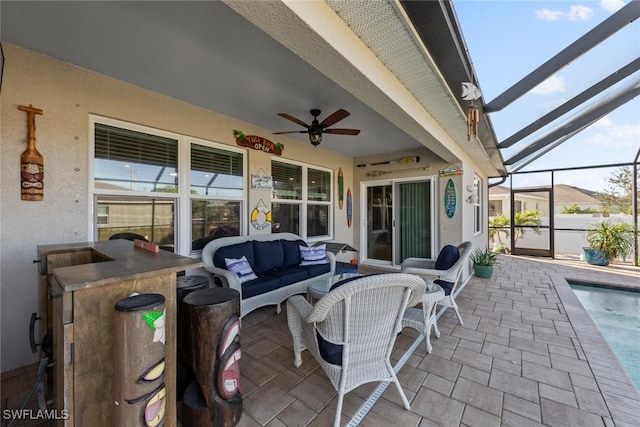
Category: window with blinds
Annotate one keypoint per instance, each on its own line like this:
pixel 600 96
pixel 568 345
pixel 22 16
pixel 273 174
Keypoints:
pixel 132 165
pixel 302 200
pixel 215 171
pixel 129 160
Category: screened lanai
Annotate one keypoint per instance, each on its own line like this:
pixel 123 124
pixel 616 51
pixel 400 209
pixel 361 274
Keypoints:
pixel 569 164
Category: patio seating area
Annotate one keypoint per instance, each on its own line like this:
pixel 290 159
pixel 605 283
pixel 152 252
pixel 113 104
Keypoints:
pixel 527 355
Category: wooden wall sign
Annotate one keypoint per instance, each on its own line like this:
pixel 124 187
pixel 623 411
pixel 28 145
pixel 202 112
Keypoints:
pixel 257 143
pixel 31 161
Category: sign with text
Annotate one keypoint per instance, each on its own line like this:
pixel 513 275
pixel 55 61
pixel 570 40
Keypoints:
pixel 259 143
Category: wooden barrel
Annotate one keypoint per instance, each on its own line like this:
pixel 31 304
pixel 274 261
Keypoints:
pixel 214 398
pixel 184 286
pixel 140 394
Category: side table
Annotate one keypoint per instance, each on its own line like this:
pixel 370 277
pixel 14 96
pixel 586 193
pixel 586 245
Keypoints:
pixel 425 319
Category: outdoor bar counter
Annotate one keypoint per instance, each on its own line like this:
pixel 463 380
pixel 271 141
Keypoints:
pixel 79 288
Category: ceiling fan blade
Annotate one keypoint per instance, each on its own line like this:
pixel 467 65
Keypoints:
pixel 343 131
pixel 334 118
pixel 291 131
pixel 294 120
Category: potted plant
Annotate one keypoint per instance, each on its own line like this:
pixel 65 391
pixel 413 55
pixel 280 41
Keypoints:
pixel 483 262
pixel 607 241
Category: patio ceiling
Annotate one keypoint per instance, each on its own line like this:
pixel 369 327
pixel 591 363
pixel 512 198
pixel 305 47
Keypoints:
pixel 252 60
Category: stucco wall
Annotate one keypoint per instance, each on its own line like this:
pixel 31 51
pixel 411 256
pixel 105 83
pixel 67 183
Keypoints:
pixel 68 95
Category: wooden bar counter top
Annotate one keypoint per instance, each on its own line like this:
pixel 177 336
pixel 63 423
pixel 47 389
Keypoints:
pixel 80 285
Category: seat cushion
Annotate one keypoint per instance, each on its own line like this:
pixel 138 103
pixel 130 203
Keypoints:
pixel 260 286
pixel 267 255
pixel 288 275
pixel 448 256
pixel 447 286
pixel 330 352
pixel 316 269
pixel 234 251
pixel 291 249
pixel 345 281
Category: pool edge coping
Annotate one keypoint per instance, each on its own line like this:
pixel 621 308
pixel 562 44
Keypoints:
pixel 597 351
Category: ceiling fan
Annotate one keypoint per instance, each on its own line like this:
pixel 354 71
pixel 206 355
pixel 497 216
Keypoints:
pixel 316 129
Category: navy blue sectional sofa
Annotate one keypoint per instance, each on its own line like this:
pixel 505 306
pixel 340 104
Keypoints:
pixel 275 260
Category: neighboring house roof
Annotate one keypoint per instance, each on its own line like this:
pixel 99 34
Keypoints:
pixel 562 194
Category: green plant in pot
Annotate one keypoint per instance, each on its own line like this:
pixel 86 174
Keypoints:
pixel 607 241
pixel 483 262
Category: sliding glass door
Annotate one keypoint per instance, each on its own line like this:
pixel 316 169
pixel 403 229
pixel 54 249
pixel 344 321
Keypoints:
pixel 399 221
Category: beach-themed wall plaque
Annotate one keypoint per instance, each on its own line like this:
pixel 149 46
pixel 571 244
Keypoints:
pixel 450 199
pixel 261 216
pixel 261 182
pixel 31 161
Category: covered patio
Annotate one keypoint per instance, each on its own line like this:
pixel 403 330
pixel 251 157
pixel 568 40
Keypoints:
pixel 528 354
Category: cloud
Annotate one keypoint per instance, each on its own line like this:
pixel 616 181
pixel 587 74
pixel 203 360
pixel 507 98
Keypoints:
pixel 626 136
pixel 604 122
pixel 580 13
pixel 575 13
pixel 552 84
pixel 549 15
pixel 611 5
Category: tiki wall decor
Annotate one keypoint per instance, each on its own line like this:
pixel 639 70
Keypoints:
pixel 31 161
pixel 214 398
pixel 139 361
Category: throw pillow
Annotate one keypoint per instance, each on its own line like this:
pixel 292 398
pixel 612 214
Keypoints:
pixel 241 267
pixel 448 256
pixel 313 256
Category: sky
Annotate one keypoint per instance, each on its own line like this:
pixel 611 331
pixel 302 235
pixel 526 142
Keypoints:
pixel 508 39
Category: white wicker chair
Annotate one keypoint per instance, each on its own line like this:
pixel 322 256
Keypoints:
pixel 364 317
pixel 425 268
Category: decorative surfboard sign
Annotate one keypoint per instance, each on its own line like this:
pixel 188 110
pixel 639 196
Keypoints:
pixel 349 208
pixel 340 188
pixel 450 199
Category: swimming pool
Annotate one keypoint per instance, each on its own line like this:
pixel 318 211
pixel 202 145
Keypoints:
pixel 616 313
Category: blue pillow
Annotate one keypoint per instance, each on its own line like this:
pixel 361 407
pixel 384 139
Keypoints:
pixel 291 249
pixel 313 256
pixel 233 251
pixel 241 267
pixel 267 255
pixel 448 256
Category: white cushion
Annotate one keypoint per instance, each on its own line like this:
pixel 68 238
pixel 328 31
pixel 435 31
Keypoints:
pixel 313 256
pixel 241 267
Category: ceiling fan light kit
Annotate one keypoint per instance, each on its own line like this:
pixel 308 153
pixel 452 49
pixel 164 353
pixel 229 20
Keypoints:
pixel 316 129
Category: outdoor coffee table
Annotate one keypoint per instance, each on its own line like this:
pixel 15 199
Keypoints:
pixel 318 289
pixel 424 319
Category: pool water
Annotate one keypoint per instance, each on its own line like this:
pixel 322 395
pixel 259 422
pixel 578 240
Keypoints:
pixel 616 313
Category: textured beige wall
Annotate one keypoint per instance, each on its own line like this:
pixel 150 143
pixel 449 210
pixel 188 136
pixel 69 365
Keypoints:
pixel 68 95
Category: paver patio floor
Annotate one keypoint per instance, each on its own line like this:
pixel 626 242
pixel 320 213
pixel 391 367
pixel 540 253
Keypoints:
pixel 527 355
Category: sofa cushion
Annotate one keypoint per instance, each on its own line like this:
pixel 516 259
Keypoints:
pixel 288 275
pixel 241 267
pixel 259 286
pixel 448 256
pixel 313 256
pixel 267 255
pixel 233 251
pixel 316 269
pixel 291 249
